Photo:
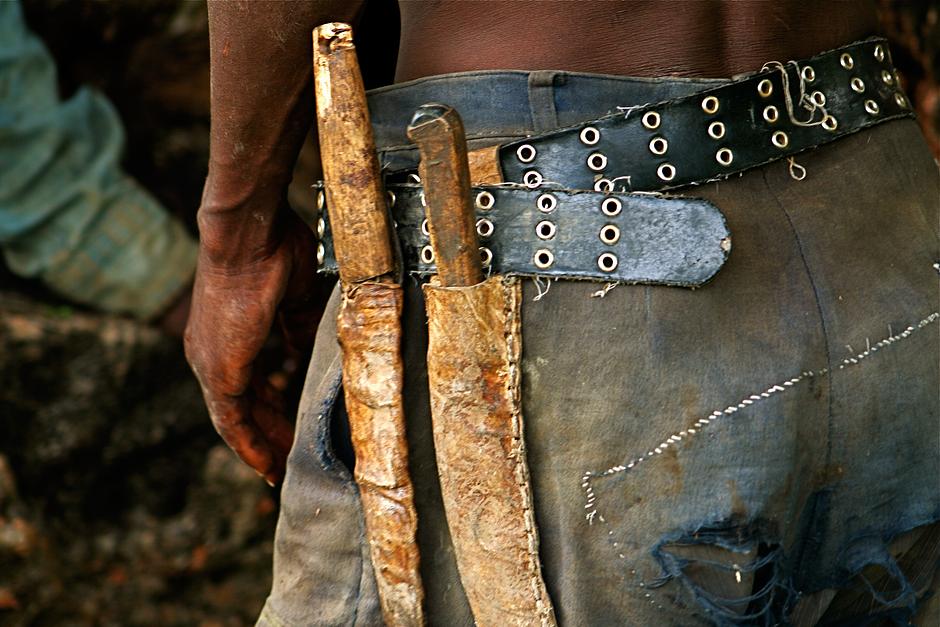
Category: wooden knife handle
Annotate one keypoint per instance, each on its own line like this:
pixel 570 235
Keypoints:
pixel 362 232
pixel 445 175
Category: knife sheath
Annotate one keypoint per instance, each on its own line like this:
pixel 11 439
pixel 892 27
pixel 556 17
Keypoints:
pixel 473 373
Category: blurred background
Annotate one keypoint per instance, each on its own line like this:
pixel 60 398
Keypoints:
pixel 119 505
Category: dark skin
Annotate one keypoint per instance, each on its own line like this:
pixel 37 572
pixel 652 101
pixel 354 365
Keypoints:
pixel 256 260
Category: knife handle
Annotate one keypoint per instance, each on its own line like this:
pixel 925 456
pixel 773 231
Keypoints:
pixel 438 132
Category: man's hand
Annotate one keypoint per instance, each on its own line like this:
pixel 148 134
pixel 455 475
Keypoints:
pixel 234 308
pixel 256 258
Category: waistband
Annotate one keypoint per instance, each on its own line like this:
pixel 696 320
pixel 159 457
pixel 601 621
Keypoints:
pixel 495 104
pixel 498 107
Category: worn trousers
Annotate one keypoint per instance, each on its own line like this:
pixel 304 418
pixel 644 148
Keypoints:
pixel 807 370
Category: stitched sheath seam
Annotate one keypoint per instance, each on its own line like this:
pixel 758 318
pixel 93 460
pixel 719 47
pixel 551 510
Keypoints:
pixel 511 298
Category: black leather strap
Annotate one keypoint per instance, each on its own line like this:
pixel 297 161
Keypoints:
pixel 543 225
pixel 752 122
pixel 626 238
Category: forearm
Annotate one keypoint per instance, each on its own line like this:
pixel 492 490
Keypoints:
pixel 262 106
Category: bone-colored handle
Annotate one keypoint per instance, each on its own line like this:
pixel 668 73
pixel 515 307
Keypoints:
pixel 355 199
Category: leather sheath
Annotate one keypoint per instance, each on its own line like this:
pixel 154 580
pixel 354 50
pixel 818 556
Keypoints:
pixel 370 334
pixel 474 345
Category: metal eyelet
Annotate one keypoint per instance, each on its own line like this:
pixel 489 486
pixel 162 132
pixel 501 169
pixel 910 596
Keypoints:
pixel 771 114
pixel 780 139
pixel 422 199
pixel 716 130
pixel 532 179
pixel 392 198
pixel 425 228
pixel 427 255
pixel 886 77
pixel 607 262
pixel 808 73
pixel 858 85
pixel 414 178
pixel 610 234
pixel 321 227
pixel 611 206
pixel 901 100
pixel 818 98
pixel 484 227
pixel 543 258
pixel 879 53
pixel 545 229
pixel 590 136
pixel 597 161
pixel 526 153
pixel 659 145
pixel 485 200
pixel 724 156
pixel 710 105
pixel 847 61
pixel 872 107
pixel 765 88
pixel 651 120
pixel 666 172
pixel 603 185
pixel 321 254
pixel 546 203
pixel 830 123
pixel 486 255
pixel 321 200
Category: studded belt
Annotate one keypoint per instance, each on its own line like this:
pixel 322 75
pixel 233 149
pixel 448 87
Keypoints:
pixel 628 238
pixel 565 209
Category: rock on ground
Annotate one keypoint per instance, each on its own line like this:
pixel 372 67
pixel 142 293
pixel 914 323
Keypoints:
pixel 118 503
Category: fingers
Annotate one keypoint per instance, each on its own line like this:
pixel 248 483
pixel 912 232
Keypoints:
pixel 233 420
pixel 232 314
pixel 251 424
pixel 228 326
pixel 269 415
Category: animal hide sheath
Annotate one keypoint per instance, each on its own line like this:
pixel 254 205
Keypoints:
pixel 368 324
pixel 473 372
pixel 369 332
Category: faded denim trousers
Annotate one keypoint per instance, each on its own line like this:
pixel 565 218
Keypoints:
pixel 809 365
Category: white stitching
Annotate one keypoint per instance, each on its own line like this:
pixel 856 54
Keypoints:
pixel 731 409
pixel 511 298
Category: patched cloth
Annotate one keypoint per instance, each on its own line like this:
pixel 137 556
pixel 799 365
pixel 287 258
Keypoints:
pixel 696 456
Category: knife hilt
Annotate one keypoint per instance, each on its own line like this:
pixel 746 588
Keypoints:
pixel 438 132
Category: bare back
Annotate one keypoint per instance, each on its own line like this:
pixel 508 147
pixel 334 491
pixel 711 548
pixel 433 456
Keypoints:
pixel 639 38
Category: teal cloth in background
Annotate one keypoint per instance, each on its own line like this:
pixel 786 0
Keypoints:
pixel 69 216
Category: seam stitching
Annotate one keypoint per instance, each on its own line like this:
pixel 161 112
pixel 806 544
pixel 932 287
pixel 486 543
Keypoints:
pixel 511 299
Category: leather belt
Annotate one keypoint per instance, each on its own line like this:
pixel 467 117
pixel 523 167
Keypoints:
pixel 540 223
pixel 776 113
pixel 625 238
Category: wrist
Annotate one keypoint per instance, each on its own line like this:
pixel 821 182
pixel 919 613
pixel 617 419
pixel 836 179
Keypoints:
pixel 238 234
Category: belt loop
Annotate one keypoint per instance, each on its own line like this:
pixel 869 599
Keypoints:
pixel 542 100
